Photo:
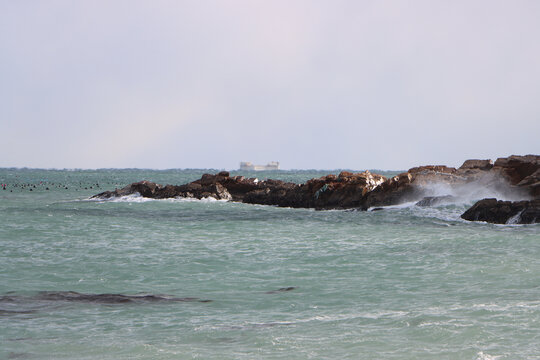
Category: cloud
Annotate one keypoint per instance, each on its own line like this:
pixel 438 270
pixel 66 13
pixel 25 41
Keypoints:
pixel 371 84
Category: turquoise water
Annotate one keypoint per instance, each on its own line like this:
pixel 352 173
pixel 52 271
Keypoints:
pixel 402 283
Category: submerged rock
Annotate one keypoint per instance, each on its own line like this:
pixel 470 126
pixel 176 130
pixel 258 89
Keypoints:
pixel 73 296
pixel 435 200
pixel 504 212
pixel 280 290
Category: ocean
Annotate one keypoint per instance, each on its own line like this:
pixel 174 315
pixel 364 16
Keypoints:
pixel 207 279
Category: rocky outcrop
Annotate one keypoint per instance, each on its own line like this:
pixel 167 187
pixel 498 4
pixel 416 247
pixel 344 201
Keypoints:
pixel 346 190
pixel 395 190
pixel 519 175
pixel 145 188
pixel 520 171
pixel 435 200
pixel 531 183
pixel 475 164
pixel 219 186
pixel 504 212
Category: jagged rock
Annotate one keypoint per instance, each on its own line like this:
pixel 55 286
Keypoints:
pixel 532 183
pixel 425 175
pixel 435 200
pixel 355 190
pixel 476 164
pixel 515 168
pixel 145 188
pixel 432 168
pixel 412 185
pixel 504 212
pixel 347 190
pixel 328 192
pixel 393 191
pixel 475 170
pixel 521 171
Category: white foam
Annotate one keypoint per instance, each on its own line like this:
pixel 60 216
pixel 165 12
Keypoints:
pixel 487 186
pixel 399 206
pixel 483 356
pixel 133 198
pixel 137 198
pixel 515 219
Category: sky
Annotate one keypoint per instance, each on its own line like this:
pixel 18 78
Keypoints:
pixel 312 84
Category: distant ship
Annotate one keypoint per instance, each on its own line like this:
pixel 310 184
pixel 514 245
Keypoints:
pixel 247 166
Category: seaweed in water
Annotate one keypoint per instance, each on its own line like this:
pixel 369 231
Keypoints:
pixel 72 296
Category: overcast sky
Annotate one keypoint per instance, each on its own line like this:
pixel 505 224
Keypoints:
pixel 312 84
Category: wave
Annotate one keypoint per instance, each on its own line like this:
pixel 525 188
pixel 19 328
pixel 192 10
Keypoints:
pixel 137 198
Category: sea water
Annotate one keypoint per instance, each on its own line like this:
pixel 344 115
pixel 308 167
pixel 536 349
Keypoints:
pixel 406 282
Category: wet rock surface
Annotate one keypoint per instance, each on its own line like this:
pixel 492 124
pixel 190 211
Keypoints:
pixel 516 175
pixel 436 200
pixel 504 212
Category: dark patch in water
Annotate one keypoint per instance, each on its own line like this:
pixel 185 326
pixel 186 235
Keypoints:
pixel 111 298
pixel 260 325
pixel 272 324
pixel 283 289
pixel 14 355
pixel 15 312
pixel 20 339
pixel 31 304
pixel 435 200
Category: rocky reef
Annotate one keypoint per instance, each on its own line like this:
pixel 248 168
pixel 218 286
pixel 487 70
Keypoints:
pixel 515 176
pixel 504 212
pixel 345 190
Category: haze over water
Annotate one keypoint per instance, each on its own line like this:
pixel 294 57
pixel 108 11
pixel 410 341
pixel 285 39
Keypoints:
pixel 403 283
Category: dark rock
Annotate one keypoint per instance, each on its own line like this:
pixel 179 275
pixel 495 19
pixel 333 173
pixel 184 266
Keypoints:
pixel 393 191
pixel 531 183
pixel 72 296
pixel 518 176
pixel 328 192
pixel 284 289
pixel 435 200
pixel 347 190
pixel 144 188
pixel 504 212
pixel 220 192
pixel 520 171
pixel 516 168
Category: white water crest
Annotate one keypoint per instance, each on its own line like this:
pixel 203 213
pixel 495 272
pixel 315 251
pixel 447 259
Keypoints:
pixel 515 219
pixel 483 356
pixel 138 198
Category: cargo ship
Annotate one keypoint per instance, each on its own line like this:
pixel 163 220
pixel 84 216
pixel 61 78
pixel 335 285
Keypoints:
pixel 248 166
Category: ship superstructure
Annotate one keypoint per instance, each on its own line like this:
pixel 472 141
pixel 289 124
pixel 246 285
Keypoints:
pixel 248 166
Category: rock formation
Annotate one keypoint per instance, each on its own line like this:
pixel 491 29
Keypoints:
pixel 519 175
pixel 504 212
pixel 436 200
